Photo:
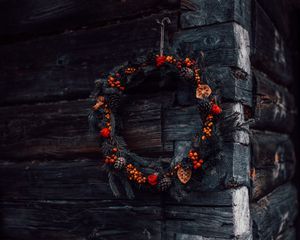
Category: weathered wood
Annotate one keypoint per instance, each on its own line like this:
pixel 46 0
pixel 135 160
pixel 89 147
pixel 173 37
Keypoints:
pixel 150 127
pixel 233 84
pixel 280 14
pixel 223 45
pixel 269 51
pixel 60 219
pixel 70 62
pixel 273 162
pixel 288 234
pixel 79 179
pixel 274 213
pixel 63 128
pixel 197 13
pixel 275 107
pixel 34 18
pixel 52 129
pixel 206 223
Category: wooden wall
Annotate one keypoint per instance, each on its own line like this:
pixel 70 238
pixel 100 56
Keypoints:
pixel 274 199
pixel 51 183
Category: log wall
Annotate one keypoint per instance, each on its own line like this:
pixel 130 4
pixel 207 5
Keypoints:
pixel 51 182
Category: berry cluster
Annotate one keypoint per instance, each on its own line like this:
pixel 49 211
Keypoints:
pixel 110 159
pixel 197 76
pixel 195 157
pixel 115 82
pixel 135 175
pixel 105 132
pixel 207 129
pixel 130 70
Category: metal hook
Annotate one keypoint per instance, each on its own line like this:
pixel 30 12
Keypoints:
pixel 162 33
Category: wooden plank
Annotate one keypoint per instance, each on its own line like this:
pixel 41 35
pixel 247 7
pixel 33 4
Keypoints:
pixel 52 129
pixel 223 45
pixel 80 220
pixel 210 223
pixel 181 123
pixel 269 51
pixel 275 107
pixel 79 179
pixel 70 62
pixel 233 84
pixel 275 212
pixel 273 162
pixel 197 13
pixel 280 14
pixel 60 129
pixel 288 234
pixel 32 18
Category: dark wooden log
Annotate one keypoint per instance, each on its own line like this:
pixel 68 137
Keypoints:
pixel 205 223
pixel 68 179
pixel 114 220
pixel 232 83
pixel 273 162
pixel 200 13
pixel 222 44
pixel 70 62
pixel 61 219
pixel 33 18
pixel 288 234
pixel 274 213
pixel 269 51
pixel 280 14
pixel 57 130
pixel 61 129
pixel 54 129
pixel 275 106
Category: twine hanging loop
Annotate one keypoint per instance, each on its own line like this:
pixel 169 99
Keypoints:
pixel 162 24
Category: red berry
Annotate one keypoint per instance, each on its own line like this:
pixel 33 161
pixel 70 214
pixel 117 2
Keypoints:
pixel 105 132
pixel 215 109
pixel 152 179
pixel 160 60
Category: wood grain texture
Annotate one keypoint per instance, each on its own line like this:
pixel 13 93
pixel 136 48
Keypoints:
pixel 233 84
pixel 281 19
pixel 269 52
pixel 274 213
pixel 199 13
pixel 35 18
pixel 49 219
pixel 64 66
pixel 273 162
pixel 288 234
pixel 58 130
pixel 222 44
pixel 275 107
pixel 220 223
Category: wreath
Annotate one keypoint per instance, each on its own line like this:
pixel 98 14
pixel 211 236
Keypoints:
pixel 191 160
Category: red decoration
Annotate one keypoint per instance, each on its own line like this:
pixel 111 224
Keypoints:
pixel 105 132
pixel 160 60
pixel 152 179
pixel 215 109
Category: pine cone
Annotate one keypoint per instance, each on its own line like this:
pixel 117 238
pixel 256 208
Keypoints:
pixel 164 184
pixel 120 163
pixel 204 106
pixel 114 101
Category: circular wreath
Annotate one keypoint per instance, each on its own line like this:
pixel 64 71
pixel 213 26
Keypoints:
pixel 118 159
